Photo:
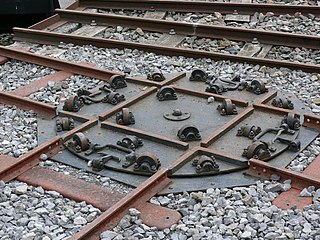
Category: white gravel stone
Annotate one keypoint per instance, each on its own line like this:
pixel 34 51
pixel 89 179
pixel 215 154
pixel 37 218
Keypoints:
pixel 305 193
pixel 35 214
pixel 108 235
pixel 79 220
pixel 18 131
pixel 14 74
pixel 261 220
pixel 21 189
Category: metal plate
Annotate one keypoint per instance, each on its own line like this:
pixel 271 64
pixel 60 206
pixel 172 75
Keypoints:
pixel 159 135
pixel 204 116
pixel 229 143
pixel 96 134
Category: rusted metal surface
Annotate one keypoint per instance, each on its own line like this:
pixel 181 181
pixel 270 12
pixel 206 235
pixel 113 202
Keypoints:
pixel 28 104
pixel 11 168
pixel 43 82
pixel 77 68
pixel 267 97
pixel 136 198
pixel 44 37
pixel 273 109
pixel 71 187
pixel 311 120
pixel 292 197
pixel 202 6
pixel 3 60
pixel 157 216
pixel 201 30
pixel 46 22
pixel 299 180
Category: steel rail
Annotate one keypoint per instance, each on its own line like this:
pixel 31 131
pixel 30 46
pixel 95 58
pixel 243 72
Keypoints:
pixel 147 135
pixel 136 198
pixel 292 197
pixel 68 186
pixel 265 170
pixel 226 127
pixel 9 169
pixel 73 67
pixel 200 6
pixel 40 108
pixel 311 120
pixel 44 37
pixel 34 86
pixel 194 29
pixel 217 97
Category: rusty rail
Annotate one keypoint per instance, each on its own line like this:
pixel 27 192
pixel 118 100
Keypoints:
pixel 9 169
pixel 147 135
pixel 200 30
pixel 310 120
pixel 40 108
pixel 44 37
pixel 136 198
pixel 73 67
pixel 262 169
pixel 200 6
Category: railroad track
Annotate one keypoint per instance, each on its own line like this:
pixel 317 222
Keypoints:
pixel 161 155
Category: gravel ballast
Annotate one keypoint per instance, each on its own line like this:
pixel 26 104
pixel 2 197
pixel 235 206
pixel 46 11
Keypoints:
pixel 58 92
pixel 28 213
pixel 238 213
pixel 18 131
pixel 14 74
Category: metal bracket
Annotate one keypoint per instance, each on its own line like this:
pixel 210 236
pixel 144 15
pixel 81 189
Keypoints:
pixel 282 103
pixel 257 87
pixel 227 108
pixel 117 82
pixel 205 164
pixel 147 163
pixel 72 104
pixel 249 131
pixel 156 77
pixel 125 117
pixel 64 124
pixel 166 93
pixel 189 133
pixel 198 75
